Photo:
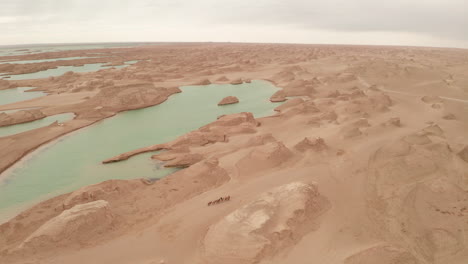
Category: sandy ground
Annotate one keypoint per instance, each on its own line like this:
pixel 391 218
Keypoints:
pixel 366 162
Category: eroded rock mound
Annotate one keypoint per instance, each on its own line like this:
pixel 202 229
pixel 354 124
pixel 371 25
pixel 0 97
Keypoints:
pixel 132 96
pixel 199 138
pixel 261 140
pixel 5 84
pixel 203 82
pixel 279 96
pixel 332 94
pixel 20 117
pixel 222 79
pixel 127 155
pixel 394 121
pixel 233 120
pixel 317 144
pixel 449 116
pixel 172 153
pixel 106 190
pixel 463 154
pixel 428 99
pixel 184 160
pixel 299 87
pixel 229 100
pixel 434 130
pixel 271 223
pixel 361 122
pixel 77 223
pixel 233 124
pixel 264 157
pixel 218 130
pixel 351 132
pixel 284 76
pixel 237 81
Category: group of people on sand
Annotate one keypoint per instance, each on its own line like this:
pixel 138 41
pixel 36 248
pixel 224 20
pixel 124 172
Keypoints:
pixel 220 200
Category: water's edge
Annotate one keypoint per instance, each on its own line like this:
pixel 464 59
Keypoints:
pixel 31 155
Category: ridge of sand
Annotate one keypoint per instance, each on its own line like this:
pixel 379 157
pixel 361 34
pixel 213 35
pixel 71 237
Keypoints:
pixel 20 117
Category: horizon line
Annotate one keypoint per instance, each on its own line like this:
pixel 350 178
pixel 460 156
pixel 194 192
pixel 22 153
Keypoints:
pixel 217 42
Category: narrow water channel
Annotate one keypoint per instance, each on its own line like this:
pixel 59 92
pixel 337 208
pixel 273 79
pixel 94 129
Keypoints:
pixel 43 60
pixel 60 70
pixel 20 128
pixel 14 95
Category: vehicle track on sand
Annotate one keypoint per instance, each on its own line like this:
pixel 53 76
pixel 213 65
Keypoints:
pixel 413 195
pixel 365 83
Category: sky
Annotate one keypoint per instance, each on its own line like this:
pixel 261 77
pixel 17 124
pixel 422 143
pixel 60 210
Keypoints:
pixel 440 23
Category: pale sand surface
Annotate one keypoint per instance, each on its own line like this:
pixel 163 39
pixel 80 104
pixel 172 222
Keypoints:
pixel 368 163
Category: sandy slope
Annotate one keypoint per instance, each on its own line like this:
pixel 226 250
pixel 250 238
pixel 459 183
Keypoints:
pixel 368 165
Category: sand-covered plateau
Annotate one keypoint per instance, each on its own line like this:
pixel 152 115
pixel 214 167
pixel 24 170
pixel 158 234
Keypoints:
pixel 365 162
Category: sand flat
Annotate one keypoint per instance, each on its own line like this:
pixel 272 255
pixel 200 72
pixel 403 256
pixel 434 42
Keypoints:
pixel 369 134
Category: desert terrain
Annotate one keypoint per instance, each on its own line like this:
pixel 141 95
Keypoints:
pixel 366 161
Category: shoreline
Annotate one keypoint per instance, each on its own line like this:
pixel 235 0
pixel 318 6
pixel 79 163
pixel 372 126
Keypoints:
pixel 44 146
pixel 4 170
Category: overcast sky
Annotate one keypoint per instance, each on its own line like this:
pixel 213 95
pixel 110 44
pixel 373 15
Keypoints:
pixel 390 22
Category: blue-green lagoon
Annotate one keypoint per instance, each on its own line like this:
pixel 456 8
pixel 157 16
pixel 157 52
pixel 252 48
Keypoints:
pixel 75 160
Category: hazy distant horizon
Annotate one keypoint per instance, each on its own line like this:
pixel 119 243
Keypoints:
pixel 426 23
pixel 141 43
pixel 75 43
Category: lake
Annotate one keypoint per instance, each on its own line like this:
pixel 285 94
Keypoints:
pixel 74 160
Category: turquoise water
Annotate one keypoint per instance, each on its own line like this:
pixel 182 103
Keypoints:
pixel 44 60
pixel 75 160
pixel 15 129
pixel 32 49
pixel 63 69
pixel 9 96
